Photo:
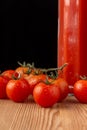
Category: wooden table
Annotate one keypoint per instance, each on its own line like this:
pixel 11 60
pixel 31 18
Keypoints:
pixel 68 115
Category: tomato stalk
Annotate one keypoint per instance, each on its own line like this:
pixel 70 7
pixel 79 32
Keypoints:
pixel 54 72
pixel 54 69
pixel 50 72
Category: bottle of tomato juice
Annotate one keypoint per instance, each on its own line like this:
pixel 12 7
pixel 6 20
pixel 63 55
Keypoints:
pixel 72 39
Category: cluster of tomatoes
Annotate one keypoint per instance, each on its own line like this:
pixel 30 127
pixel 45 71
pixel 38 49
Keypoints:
pixel 46 90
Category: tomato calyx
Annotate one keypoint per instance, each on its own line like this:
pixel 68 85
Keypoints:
pixel 16 76
pixel 26 64
pixel 83 77
pixel 47 81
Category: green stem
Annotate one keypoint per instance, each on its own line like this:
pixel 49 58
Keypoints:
pixel 26 65
pixel 54 69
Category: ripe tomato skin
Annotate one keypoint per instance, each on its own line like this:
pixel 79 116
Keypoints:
pixel 3 82
pixel 18 90
pixel 80 90
pixel 8 73
pixel 22 70
pixel 33 80
pixel 46 95
pixel 63 86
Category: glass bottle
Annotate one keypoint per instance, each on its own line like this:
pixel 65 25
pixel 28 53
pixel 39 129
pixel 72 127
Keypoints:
pixel 72 38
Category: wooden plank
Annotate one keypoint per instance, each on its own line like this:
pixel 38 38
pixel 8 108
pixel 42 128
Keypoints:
pixel 68 115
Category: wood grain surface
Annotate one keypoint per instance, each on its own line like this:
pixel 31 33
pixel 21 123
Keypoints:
pixel 67 115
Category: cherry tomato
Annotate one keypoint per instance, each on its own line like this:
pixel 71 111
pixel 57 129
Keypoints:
pixel 80 90
pixel 18 90
pixel 33 80
pixel 8 73
pixel 63 86
pixel 3 82
pixel 46 95
pixel 22 70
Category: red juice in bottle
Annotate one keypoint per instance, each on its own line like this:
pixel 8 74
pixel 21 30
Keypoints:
pixel 72 39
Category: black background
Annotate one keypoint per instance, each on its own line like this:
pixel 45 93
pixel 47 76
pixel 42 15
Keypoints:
pixel 28 33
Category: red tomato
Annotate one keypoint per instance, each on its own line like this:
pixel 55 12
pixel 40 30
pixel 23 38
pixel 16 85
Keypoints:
pixel 22 70
pixel 18 90
pixel 63 86
pixel 80 90
pixel 46 95
pixel 3 82
pixel 33 80
pixel 8 73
